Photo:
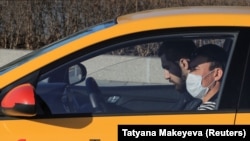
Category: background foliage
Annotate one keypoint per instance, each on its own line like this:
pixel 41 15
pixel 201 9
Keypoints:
pixel 31 24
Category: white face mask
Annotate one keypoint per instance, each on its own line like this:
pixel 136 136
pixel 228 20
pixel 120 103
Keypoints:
pixel 194 86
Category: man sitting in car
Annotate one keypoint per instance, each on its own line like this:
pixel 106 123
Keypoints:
pixel 175 62
pixel 206 70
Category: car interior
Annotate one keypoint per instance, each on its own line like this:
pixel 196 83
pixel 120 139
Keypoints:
pixel 71 87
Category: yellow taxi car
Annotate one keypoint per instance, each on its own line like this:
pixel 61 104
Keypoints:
pixel 85 86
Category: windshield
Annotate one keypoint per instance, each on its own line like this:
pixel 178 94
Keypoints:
pixel 55 45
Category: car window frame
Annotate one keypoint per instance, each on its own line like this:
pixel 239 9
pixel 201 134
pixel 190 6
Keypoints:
pixel 244 58
pixel 109 44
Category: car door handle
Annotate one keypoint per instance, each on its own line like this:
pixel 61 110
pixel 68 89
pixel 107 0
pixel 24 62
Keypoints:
pixel 113 99
pixel 94 139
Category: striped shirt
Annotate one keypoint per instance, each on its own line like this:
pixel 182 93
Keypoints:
pixel 209 105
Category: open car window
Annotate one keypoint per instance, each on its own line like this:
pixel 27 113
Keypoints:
pixel 123 77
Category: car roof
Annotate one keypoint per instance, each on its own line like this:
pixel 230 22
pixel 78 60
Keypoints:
pixel 188 10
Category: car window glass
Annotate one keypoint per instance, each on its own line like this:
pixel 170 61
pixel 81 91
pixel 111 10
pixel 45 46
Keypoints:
pixel 245 96
pixel 119 69
pixel 126 79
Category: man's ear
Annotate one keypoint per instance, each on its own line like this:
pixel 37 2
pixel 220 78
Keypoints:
pixel 218 74
pixel 184 63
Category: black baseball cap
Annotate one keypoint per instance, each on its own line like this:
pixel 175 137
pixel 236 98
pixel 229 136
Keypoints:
pixel 208 53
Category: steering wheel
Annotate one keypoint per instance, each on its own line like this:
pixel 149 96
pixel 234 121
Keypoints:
pixel 95 97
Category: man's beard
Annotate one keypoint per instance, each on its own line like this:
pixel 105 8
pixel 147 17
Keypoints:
pixel 181 87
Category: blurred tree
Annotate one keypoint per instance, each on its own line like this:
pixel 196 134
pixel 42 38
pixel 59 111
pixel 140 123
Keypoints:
pixel 31 24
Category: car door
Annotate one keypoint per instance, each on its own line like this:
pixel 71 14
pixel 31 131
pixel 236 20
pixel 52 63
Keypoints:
pixel 129 77
pixel 242 117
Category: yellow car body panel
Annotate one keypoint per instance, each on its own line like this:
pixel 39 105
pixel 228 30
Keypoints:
pixel 100 127
pixel 242 119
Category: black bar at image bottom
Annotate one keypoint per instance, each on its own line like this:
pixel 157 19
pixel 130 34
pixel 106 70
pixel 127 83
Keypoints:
pixel 183 132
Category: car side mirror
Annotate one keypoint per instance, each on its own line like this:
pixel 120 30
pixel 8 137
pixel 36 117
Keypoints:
pixel 77 73
pixel 19 101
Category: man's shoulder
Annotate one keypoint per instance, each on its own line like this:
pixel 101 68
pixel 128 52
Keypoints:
pixel 193 104
pixel 209 105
